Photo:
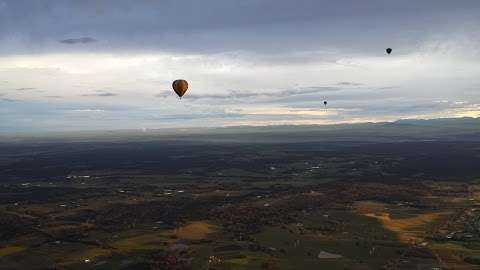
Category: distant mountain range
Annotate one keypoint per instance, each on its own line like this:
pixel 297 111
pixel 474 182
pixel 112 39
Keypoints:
pixel 452 129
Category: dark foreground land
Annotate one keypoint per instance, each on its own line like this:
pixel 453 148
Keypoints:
pixel 392 203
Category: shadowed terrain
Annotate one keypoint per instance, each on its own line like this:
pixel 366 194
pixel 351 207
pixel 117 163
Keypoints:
pixel 401 195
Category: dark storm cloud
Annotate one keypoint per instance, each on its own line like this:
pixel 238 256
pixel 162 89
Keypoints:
pixel 222 25
pixel 100 93
pixel 82 40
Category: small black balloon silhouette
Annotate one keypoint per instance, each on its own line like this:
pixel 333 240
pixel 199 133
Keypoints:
pixel 389 50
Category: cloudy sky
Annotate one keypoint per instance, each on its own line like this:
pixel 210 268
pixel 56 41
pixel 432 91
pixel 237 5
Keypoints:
pixel 93 64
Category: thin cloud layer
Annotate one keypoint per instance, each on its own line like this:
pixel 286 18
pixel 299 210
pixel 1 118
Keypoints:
pixel 267 94
pixel 8 100
pixel 100 93
pixel 82 40
pixel 25 89
pixel 349 84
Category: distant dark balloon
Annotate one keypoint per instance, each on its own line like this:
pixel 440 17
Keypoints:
pixel 389 50
pixel 180 87
pixel 325 103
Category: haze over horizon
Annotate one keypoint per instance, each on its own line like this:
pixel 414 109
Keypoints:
pixel 95 65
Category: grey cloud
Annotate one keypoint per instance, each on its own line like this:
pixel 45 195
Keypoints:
pixel 100 93
pixel 384 106
pixel 275 57
pixel 349 84
pixel 164 94
pixel 388 87
pixel 194 116
pixel 82 40
pixel 88 110
pixel 25 89
pixel 276 94
pixel 53 96
pixel 358 95
pixel 226 25
pixel 106 94
pixel 9 100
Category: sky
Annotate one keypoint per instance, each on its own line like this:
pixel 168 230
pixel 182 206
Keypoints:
pixel 69 65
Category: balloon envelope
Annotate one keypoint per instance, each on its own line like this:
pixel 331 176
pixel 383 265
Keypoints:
pixel 325 103
pixel 180 87
pixel 389 50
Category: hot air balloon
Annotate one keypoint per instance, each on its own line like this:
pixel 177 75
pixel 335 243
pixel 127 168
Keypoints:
pixel 180 87
pixel 389 50
pixel 325 103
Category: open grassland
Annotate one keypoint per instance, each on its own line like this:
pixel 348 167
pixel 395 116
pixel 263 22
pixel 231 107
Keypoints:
pixel 129 243
pixel 10 250
pixel 197 230
pixel 409 228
